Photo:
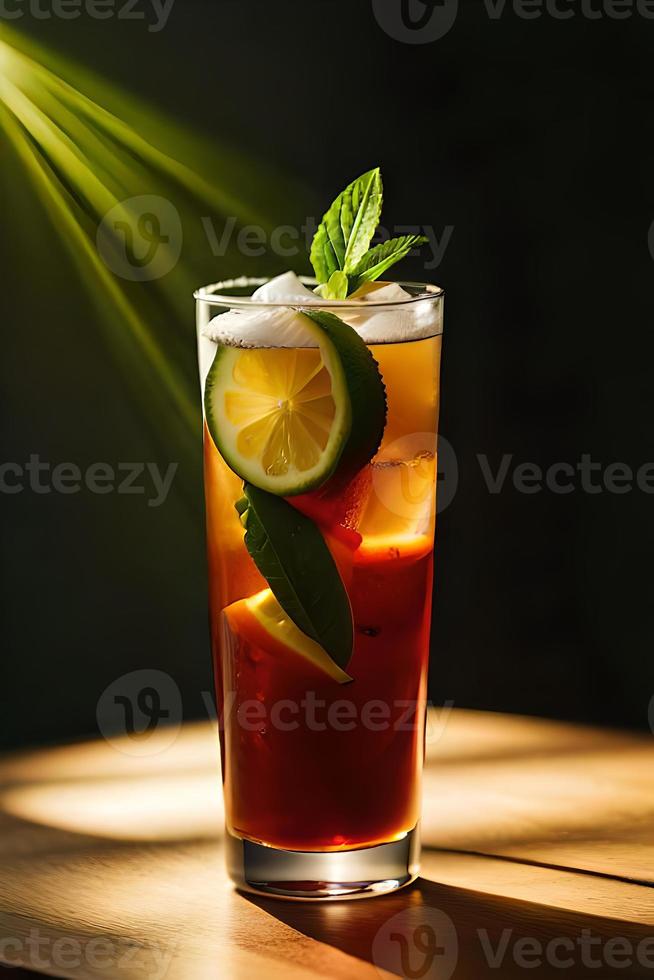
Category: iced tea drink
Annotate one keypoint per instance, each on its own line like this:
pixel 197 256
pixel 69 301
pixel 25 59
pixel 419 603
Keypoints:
pixel 322 763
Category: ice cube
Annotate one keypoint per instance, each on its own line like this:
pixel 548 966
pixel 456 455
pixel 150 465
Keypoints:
pixel 406 319
pixel 381 292
pixel 286 288
pixel 265 328
pixel 413 320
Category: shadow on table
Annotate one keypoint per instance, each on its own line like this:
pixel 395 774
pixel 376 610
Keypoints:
pixel 436 931
pixel 17 973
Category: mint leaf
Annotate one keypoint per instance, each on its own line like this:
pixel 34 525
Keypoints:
pixel 291 554
pixel 382 257
pixel 336 288
pixel 347 227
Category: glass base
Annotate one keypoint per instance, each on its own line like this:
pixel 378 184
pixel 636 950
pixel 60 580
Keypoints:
pixel 323 875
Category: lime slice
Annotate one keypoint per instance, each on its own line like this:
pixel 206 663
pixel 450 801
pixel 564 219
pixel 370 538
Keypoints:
pixel 284 418
pixel 261 621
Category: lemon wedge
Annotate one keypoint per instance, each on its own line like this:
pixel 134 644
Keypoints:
pixel 262 621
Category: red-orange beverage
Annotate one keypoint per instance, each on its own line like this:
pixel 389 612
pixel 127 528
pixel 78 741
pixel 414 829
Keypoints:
pixel 312 763
pixel 334 768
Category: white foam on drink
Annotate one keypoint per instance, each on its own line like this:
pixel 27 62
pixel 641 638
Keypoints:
pixel 409 318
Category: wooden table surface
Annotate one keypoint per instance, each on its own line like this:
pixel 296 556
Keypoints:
pixel 538 861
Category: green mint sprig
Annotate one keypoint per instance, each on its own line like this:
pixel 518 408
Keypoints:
pixel 340 252
pixel 347 227
pixel 380 258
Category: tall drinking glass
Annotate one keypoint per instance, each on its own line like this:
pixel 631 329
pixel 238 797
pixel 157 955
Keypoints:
pixel 322 780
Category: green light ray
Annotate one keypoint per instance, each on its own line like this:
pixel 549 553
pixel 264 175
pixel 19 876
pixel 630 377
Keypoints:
pixel 89 262
pixel 87 148
pixel 164 143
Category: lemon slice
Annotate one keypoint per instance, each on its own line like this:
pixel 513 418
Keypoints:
pixel 284 417
pixel 262 621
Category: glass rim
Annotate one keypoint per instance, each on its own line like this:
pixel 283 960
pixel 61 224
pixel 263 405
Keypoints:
pixel 207 294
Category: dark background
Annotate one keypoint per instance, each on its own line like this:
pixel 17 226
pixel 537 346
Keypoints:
pixel 533 139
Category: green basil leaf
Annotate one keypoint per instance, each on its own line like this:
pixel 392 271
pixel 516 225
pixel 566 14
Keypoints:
pixel 347 227
pixel 380 258
pixel 291 554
